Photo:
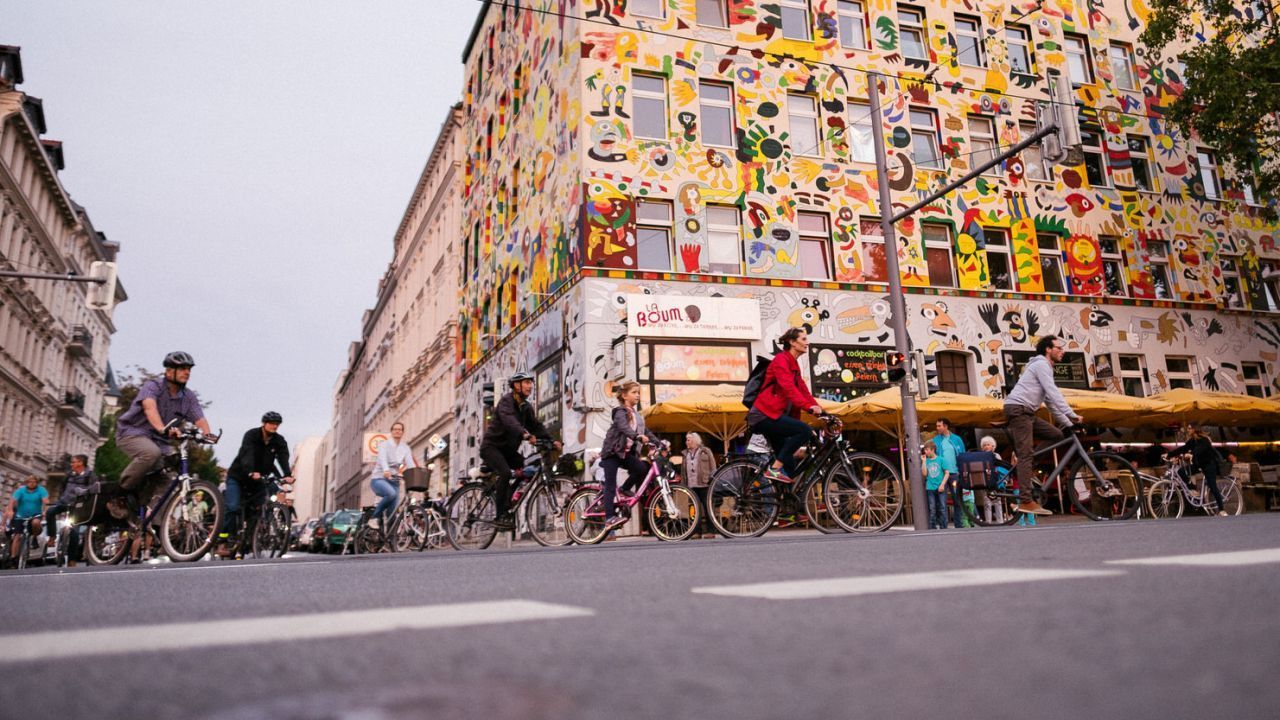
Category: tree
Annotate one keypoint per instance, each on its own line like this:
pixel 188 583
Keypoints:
pixel 110 460
pixel 1231 86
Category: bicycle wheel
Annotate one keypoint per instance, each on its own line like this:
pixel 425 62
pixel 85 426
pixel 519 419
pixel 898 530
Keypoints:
pixel 1164 500
pixel 673 527
pixel 815 508
pixel 544 513
pixel 190 521
pixel 1232 497
pixel 584 517
pixel 471 516
pixel 24 550
pixel 63 545
pixel 105 545
pixel 367 541
pixel 741 501
pixel 1112 494
pixel 271 534
pixel 413 530
pixel 437 535
pixel 869 502
pixel 991 508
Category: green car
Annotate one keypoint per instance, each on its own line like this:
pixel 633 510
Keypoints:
pixel 333 529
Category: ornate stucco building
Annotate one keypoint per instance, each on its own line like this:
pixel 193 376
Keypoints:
pixel 53 347
pixel 655 189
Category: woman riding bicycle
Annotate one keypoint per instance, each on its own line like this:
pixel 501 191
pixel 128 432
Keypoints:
pixel 394 457
pixel 622 449
pixel 776 411
pixel 1204 458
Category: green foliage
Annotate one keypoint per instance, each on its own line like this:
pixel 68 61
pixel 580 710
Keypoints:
pixel 1231 99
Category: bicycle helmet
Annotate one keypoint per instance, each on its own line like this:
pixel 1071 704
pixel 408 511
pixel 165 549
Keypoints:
pixel 271 416
pixel 519 376
pixel 179 359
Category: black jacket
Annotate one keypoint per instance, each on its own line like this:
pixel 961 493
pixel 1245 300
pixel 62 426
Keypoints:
pixel 510 422
pixel 256 456
pixel 622 438
pixel 1203 455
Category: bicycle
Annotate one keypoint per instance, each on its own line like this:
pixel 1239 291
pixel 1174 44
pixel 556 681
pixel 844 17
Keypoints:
pixel 671 509
pixel 411 525
pixel 266 532
pixel 860 491
pixel 190 513
pixel 1168 495
pixel 538 495
pixel 28 542
pixel 1101 485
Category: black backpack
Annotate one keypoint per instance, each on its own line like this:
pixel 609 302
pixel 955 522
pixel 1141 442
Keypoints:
pixel 755 381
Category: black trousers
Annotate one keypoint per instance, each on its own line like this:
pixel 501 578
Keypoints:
pixel 502 463
pixel 636 470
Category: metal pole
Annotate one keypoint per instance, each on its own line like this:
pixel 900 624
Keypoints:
pixel 51 276
pixel 898 309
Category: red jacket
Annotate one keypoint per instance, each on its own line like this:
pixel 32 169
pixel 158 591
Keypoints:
pixel 784 384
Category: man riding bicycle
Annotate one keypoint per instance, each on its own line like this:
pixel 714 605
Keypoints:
pixel 263 451
pixel 26 505
pixel 140 431
pixel 514 422
pixel 1036 387
pixel 77 484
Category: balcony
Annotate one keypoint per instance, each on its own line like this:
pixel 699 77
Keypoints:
pixel 72 403
pixel 81 343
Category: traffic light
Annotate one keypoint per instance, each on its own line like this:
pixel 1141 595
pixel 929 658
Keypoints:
pixel 925 372
pixel 1063 147
pixel 102 295
pixel 895 364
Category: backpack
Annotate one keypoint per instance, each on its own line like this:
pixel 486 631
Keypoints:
pixel 755 381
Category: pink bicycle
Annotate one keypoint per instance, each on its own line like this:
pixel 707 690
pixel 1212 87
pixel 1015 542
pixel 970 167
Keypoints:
pixel 672 509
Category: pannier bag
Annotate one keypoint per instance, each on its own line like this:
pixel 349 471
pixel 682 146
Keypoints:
pixel 95 506
pixel 977 470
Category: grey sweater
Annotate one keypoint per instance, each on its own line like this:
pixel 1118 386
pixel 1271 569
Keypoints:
pixel 1036 387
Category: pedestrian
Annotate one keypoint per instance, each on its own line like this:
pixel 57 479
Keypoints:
pixel 991 507
pixel 699 465
pixel 1204 459
pixel 76 485
pixel 949 446
pixel 935 487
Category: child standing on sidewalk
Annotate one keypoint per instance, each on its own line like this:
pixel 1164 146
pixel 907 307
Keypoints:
pixel 935 484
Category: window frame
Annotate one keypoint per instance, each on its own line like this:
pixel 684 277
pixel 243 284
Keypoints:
pixel 1230 265
pixel 812 115
pixel 667 227
pixel 716 229
pixel 1083 55
pixel 1116 257
pixel 1025 130
pixel 935 244
pixel 552 366
pixel 1213 170
pixel 1139 374
pixel 975 137
pixel 976 36
pixel 1260 382
pixel 1130 67
pixel 822 240
pixel 1269 277
pixel 1055 253
pixel 722 14
pixel 704 103
pixel 801 6
pixel 1160 261
pixel 862 120
pixel 953 371
pixel 1188 376
pixel 1147 162
pixel 934 135
pixel 1100 150
pixel 1024 43
pixel 917 27
pixel 869 238
pixel 1003 251
pixel 638 95
pixel 634 8
pixel 856 18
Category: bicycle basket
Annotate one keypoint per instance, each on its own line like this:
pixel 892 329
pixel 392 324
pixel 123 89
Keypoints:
pixel 91 507
pixel 416 479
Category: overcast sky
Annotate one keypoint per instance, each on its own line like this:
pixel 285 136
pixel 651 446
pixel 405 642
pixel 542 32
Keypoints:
pixel 253 160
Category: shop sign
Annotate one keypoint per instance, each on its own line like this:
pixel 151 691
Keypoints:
pixel 437 445
pixel 843 372
pixel 693 317
pixel 1069 372
pixel 701 363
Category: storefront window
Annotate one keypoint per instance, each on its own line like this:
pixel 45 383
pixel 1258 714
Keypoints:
pixel 668 370
pixel 548 394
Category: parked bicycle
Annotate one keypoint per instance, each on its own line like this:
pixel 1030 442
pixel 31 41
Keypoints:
pixel 538 497
pixel 672 510
pixel 1100 485
pixel 190 513
pixel 859 491
pixel 264 532
pixel 411 525
pixel 1167 496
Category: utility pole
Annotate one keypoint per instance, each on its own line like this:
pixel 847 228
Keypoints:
pixel 101 274
pixel 1063 130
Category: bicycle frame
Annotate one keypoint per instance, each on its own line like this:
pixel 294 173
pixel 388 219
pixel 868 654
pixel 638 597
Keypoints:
pixel 1204 498
pixel 815 465
pixel 643 492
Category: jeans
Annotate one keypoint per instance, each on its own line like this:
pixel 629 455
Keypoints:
pixel 937 509
pixel 51 529
pixel 786 435
pixel 636 470
pixel 233 490
pixel 389 490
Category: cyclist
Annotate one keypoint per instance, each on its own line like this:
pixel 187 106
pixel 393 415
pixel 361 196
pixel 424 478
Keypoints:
pixel 140 430
pixel 1036 387
pixel 514 421
pixel 622 443
pixel 27 504
pixel 776 411
pixel 394 456
pixel 77 484
pixel 1203 458
pixel 263 451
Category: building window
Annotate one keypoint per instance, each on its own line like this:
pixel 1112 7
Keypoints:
pixel 649 106
pixel 924 139
pixel 715 103
pixel 853 24
pixel 1255 379
pixel 724 240
pixel 911 31
pixel 1270 271
pixel 653 234
pixel 982 139
pixel 1034 166
pixel 666 369
pixel 1133 375
pixel 998 258
pixel 1079 67
pixel 649 8
pixel 1246 189
pixel 861 145
pixel 1122 69
pixel 795 20
pixel 549 394
pixel 875 267
pixel 1140 160
pixel 953 372
pixel 1158 266
pixel 802 112
pixel 1113 272
pixel 1018 40
pixel 1209 176
pixel 937 255
pixel 1181 372
pixel 1095 158
pixel 1051 263
pixel 1234 298
pixel 711 13
pixel 969 41
pixel 815 245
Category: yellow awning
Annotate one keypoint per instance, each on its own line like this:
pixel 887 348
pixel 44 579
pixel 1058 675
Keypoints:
pixel 1116 410
pixel 715 409
pixel 1217 408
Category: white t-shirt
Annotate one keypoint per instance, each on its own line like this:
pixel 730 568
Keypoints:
pixel 391 456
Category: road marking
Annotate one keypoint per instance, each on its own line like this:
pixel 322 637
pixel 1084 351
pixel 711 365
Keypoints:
pixel 878 584
pixel 1223 559
pixel 187 636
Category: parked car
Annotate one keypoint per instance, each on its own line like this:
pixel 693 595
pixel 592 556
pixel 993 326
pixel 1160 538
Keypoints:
pixel 306 534
pixel 339 526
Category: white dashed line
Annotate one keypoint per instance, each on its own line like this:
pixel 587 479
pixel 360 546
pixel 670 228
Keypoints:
pixel 879 584
pixel 1223 559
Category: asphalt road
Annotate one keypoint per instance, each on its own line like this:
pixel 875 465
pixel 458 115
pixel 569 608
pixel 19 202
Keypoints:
pixel 1001 623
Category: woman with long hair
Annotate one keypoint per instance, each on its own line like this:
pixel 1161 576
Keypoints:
pixel 776 411
pixel 621 448
pixel 1203 458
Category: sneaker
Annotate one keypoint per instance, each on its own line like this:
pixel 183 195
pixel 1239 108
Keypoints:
pixel 504 523
pixel 1031 507
pixel 614 522
pixel 1223 513
pixel 776 475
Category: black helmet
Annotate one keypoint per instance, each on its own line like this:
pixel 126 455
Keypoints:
pixel 179 359
pixel 271 416
pixel 521 375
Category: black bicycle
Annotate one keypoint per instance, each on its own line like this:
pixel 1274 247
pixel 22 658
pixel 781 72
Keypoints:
pixel 539 494
pixel 263 525
pixel 860 491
